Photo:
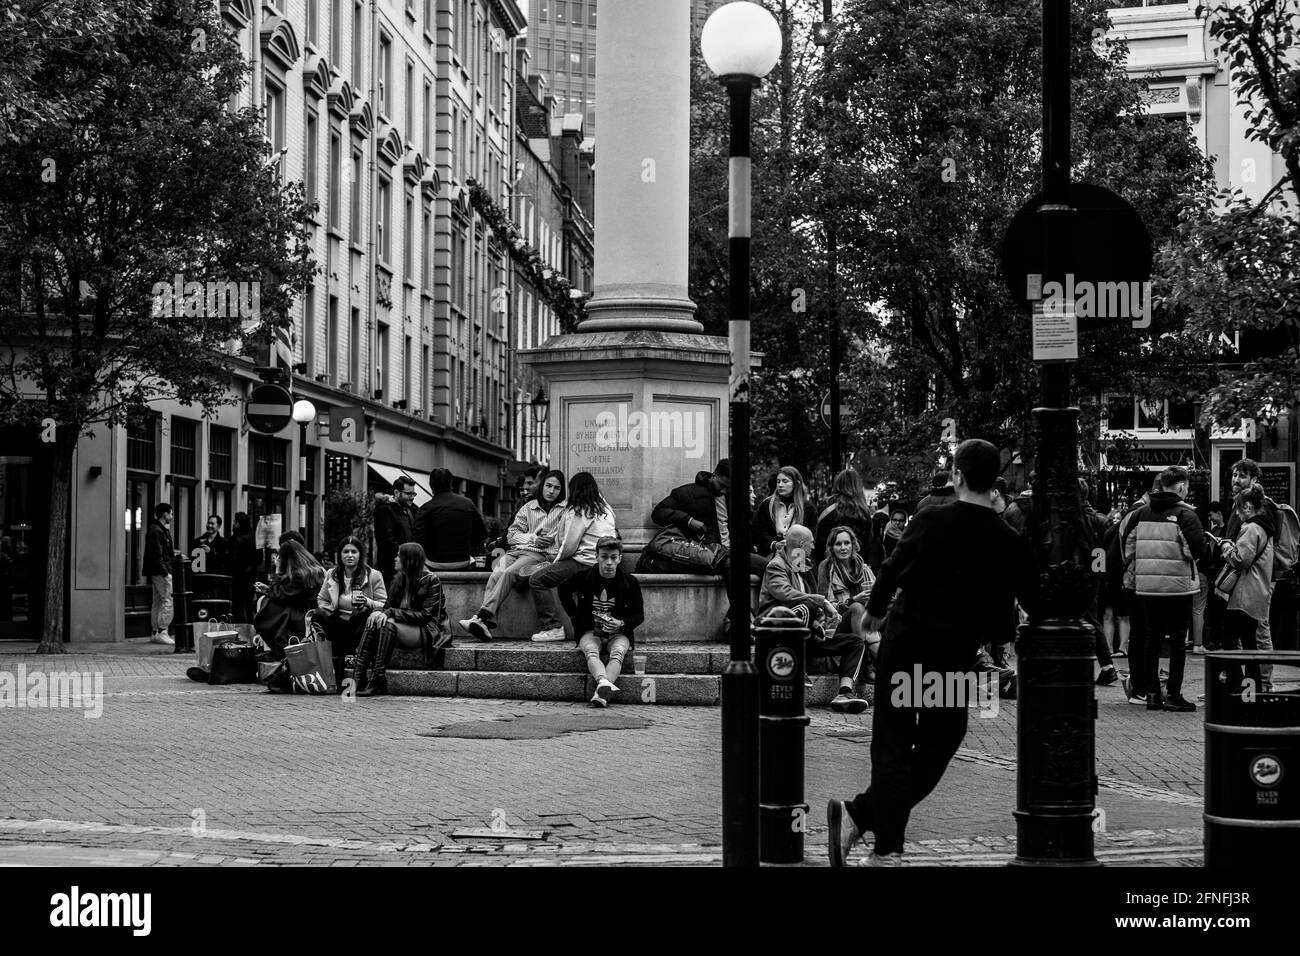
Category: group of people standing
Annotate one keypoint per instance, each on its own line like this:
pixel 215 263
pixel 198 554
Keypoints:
pixel 1172 577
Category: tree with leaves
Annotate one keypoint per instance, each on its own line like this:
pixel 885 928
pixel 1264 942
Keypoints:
pixel 935 129
pixel 142 175
pixel 1235 271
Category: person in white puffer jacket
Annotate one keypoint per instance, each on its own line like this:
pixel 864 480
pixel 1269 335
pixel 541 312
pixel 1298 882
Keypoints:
pixel 587 518
pixel 532 537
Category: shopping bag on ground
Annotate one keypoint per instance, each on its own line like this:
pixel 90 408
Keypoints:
pixel 209 634
pixel 233 663
pixel 311 667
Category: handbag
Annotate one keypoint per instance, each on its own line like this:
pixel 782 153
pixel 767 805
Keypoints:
pixel 232 663
pixel 1226 580
pixel 311 667
pixel 671 545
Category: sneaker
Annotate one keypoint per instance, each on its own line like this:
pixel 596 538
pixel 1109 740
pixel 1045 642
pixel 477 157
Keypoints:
pixel 162 637
pixel 550 635
pixel 1107 676
pixel 1155 702
pixel 475 627
pixel 843 832
pixel 888 859
pixel 606 689
pixel 1120 654
pixel 846 703
pixel 1133 696
pixel 597 700
pixel 1178 704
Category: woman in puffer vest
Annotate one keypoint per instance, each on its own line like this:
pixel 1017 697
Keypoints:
pixel 1251 555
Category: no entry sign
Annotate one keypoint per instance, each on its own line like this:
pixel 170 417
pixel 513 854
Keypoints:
pixel 269 409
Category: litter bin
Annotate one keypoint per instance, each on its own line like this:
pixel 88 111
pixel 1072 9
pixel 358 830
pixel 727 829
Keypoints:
pixel 1252 758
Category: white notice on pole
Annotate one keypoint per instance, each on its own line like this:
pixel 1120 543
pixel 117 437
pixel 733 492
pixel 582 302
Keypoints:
pixel 1056 334
pixel 267 534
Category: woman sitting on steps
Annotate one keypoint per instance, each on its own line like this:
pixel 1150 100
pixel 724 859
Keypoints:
pixel 414 616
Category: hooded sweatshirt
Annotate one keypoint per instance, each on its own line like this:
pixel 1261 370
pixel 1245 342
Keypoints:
pixel 1162 545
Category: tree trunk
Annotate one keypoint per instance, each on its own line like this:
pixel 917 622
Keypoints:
pixel 60 493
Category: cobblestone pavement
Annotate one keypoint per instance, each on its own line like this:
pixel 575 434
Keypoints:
pixel 176 773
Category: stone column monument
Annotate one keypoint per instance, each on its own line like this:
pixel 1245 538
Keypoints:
pixel 638 396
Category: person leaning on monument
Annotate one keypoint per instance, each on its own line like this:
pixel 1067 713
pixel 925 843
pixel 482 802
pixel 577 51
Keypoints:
pixel 448 526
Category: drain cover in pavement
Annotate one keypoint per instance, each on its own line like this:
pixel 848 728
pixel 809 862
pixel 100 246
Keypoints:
pixel 538 728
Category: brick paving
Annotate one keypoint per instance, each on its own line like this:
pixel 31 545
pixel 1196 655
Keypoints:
pixel 176 773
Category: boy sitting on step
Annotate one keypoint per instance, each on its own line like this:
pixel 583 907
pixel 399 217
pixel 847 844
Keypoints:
pixel 604 604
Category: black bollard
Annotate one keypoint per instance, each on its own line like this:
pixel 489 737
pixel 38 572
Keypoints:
pixel 1055 739
pixel 779 656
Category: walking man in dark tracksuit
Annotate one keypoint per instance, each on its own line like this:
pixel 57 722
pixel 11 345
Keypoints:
pixel 959 569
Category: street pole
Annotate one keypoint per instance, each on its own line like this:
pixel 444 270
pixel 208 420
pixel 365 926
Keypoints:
pixel 832 260
pixel 740 745
pixel 1055 732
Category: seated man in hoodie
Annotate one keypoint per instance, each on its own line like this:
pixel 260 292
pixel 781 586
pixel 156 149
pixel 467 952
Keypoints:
pixel 788 582
pixel 699 511
pixel 605 606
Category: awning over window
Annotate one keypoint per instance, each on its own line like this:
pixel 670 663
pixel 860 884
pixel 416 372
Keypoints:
pixel 391 473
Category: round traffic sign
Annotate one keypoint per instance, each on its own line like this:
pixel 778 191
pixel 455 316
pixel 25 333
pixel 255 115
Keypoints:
pixel 269 409
pixel 846 413
pixel 1107 248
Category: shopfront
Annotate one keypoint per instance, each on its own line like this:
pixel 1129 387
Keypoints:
pixel 24 532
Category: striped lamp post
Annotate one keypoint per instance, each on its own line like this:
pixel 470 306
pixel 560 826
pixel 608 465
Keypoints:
pixel 741 43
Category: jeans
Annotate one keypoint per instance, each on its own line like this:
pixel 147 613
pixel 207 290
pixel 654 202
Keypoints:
pixel 502 581
pixel 160 609
pixel 1164 617
pixel 1241 632
pixel 910 750
pixel 543 582
pixel 1137 645
pixel 589 644
pixel 1264 639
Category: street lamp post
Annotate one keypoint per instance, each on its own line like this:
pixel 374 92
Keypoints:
pixel 824 36
pixel 1055 736
pixel 304 413
pixel 741 42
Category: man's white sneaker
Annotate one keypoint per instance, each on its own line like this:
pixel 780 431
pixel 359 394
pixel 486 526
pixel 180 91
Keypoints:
pixel 549 635
pixel 888 859
pixel 475 627
pixel 598 701
pixel 606 689
pixel 162 637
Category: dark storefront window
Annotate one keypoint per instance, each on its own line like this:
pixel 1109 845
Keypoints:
pixel 184 447
pixel 338 472
pixel 260 448
pixel 142 445
pixel 24 533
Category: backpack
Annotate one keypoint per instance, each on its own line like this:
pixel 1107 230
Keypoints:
pixel 1287 540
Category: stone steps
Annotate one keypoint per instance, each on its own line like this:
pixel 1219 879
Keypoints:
pixel 701 690
pixel 676 673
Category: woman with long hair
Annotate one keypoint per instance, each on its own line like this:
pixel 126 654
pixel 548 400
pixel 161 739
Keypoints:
pixel 282 612
pixel 531 537
pixel 350 591
pixel 585 519
pixel 788 505
pixel 848 506
pixel 414 616
pixel 846 580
